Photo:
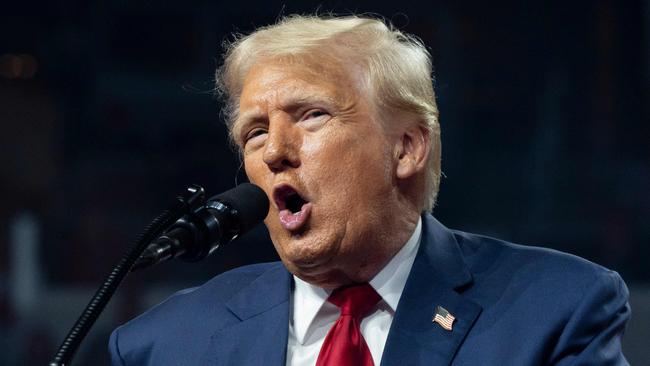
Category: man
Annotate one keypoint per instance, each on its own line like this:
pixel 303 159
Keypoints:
pixel 337 122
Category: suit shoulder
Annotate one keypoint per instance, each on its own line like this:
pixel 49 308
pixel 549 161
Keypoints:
pixel 204 302
pixel 229 282
pixel 221 287
pixel 487 256
pixel 572 308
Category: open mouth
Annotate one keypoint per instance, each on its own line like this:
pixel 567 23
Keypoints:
pixel 294 202
pixel 294 209
pixel 286 197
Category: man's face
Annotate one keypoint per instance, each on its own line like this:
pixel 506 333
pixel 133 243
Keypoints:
pixel 312 141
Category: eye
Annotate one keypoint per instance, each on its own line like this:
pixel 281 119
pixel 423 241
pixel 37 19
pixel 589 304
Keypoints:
pixel 255 132
pixel 314 113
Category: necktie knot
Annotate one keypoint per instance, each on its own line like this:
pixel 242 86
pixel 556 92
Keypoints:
pixel 344 344
pixel 356 300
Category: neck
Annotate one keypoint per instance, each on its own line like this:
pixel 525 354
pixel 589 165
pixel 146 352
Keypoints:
pixel 375 252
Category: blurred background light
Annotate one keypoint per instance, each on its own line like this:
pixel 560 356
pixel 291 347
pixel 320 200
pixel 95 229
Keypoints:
pixel 21 66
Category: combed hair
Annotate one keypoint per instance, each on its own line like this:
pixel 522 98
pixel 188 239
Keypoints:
pixel 397 68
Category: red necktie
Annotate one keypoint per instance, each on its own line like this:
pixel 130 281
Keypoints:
pixel 344 344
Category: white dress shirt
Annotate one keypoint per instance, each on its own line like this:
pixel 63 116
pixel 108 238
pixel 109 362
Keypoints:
pixel 312 315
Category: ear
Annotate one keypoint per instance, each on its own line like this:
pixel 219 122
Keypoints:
pixel 412 151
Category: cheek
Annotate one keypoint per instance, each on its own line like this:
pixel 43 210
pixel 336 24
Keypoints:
pixel 253 165
pixel 351 169
pixel 256 170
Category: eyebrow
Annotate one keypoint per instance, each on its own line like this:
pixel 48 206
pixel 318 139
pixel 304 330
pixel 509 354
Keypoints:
pixel 294 103
pixel 249 116
pixel 243 119
pixel 290 104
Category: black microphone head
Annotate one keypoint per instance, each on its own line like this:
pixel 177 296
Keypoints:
pixel 249 200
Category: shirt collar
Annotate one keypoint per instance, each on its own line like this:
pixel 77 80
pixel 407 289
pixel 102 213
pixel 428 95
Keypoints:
pixel 307 301
pixel 389 284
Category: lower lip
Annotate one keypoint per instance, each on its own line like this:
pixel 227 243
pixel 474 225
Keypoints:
pixel 295 221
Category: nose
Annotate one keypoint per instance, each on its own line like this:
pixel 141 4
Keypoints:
pixel 281 150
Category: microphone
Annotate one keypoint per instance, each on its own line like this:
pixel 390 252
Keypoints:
pixel 222 219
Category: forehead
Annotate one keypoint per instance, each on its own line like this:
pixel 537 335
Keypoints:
pixel 288 84
pixel 293 78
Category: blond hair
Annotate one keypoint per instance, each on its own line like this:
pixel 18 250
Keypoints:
pixel 397 68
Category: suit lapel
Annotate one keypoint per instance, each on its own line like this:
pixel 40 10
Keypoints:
pixel 259 335
pixel 437 274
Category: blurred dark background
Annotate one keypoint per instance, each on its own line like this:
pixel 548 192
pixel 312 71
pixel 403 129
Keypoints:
pixel 107 113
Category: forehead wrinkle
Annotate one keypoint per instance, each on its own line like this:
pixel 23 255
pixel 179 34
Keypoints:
pixel 301 79
pixel 255 108
pixel 295 96
pixel 315 99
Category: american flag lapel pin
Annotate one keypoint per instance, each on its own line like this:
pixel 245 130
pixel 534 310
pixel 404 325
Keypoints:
pixel 444 318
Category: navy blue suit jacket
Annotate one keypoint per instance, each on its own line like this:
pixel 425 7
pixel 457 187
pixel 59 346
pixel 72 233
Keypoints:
pixel 514 305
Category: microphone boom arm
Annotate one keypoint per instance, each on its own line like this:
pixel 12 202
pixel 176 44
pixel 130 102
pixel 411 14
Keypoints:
pixel 191 198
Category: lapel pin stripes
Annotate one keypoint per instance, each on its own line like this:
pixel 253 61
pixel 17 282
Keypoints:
pixel 444 318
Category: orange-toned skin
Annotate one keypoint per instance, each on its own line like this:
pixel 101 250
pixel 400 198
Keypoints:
pixel 313 127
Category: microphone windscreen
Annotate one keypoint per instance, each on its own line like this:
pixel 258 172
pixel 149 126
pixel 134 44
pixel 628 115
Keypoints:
pixel 250 201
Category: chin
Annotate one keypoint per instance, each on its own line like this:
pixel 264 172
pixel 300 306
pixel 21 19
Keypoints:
pixel 328 280
pixel 312 261
pixel 315 264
